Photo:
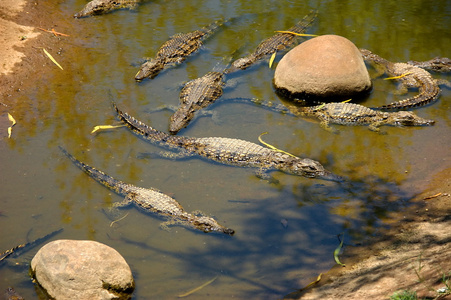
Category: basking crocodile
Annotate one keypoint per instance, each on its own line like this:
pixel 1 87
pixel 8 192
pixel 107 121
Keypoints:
pixel 151 200
pixel 229 151
pixel 195 95
pixel 98 7
pixel 437 64
pixel 411 77
pixel 272 44
pixel 11 294
pixel 176 50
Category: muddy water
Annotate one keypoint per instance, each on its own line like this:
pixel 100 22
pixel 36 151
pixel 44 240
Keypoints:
pixel 286 232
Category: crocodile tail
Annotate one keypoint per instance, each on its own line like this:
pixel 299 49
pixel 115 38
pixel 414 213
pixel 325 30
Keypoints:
pixel 305 23
pixel 118 186
pixel 212 28
pixel 140 128
pixel 427 94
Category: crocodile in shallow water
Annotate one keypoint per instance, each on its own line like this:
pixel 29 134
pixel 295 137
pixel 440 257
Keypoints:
pixel 98 7
pixel 410 77
pixel 24 247
pixel 11 294
pixel 195 95
pixel 437 64
pixel 229 151
pixel 272 44
pixel 152 200
pixel 176 50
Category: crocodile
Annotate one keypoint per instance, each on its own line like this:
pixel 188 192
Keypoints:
pixel 195 95
pixel 176 50
pixel 436 64
pixel 274 43
pixel 151 200
pixel 23 247
pixel 411 77
pixel 229 151
pixel 11 294
pixel 98 7
pixel 344 113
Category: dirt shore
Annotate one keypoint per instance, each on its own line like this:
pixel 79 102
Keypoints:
pixel 414 254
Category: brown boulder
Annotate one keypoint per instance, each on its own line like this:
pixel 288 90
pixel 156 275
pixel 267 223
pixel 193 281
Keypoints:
pixel 328 67
pixel 69 269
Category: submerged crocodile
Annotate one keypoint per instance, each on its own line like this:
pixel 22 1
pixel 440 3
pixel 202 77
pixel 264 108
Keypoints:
pixel 24 247
pixel 272 44
pixel 195 95
pixel 98 7
pixel 151 200
pixel 11 294
pixel 410 77
pixel 229 151
pixel 437 64
pixel 176 50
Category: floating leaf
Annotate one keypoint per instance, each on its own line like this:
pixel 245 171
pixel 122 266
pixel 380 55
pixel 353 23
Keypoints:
pixel 295 33
pixel 105 127
pixel 11 127
pixel 51 57
pixel 397 77
pixel 271 60
pixel 271 146
pixel 198 288
pixel 337 251
pixel 120 219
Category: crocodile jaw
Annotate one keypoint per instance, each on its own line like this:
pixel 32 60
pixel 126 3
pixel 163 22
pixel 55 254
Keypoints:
pixel 149 69
pixel 407 118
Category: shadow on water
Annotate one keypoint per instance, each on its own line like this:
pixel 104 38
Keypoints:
pixel 264 259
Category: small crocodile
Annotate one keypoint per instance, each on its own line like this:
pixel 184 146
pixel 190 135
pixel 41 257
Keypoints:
pixel 24 247
pixel 195 95
pixel 437 64
pixel 11 294
pixel 411 77
pixel 98 7
pixel 229 151
pixel 350 114
pixel 176 50
pixel 151 200
pixel 272 44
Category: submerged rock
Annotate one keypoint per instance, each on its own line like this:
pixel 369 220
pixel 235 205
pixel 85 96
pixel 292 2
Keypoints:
pixel 328 67
pixel 69 269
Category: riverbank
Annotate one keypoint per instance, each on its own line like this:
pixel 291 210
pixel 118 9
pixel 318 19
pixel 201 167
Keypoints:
pixel 413 254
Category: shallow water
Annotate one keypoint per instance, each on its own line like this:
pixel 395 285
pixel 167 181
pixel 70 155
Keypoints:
pixel 285 233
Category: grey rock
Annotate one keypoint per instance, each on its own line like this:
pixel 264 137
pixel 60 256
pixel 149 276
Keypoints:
pixel 70 269
pixel 328 66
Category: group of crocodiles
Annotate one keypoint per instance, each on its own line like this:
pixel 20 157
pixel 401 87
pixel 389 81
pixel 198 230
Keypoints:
pixel 201 92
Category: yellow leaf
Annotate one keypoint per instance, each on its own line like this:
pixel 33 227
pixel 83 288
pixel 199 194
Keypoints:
pixel 51 57
pixel 397 77
pixel 105 127
pixel 337 251
pixel 312 283
pixel 198 288
pixel 346 101
pixel 11 127
pixel 295 33
pixel 271 146
pixel 271 60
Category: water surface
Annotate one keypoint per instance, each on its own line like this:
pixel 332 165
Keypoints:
pixel 285 233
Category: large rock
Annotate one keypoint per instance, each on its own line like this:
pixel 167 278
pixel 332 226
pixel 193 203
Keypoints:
pixel 326 68
pixel 69 269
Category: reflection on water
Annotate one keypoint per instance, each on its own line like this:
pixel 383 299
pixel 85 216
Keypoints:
pixel 285 233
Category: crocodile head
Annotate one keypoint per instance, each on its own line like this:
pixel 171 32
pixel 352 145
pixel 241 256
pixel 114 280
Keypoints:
pixel 96 7
pixel 241 63
pixel 408 118
pixel 180 119
pixel 307 167
pixel 207 224
pixel 150 69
